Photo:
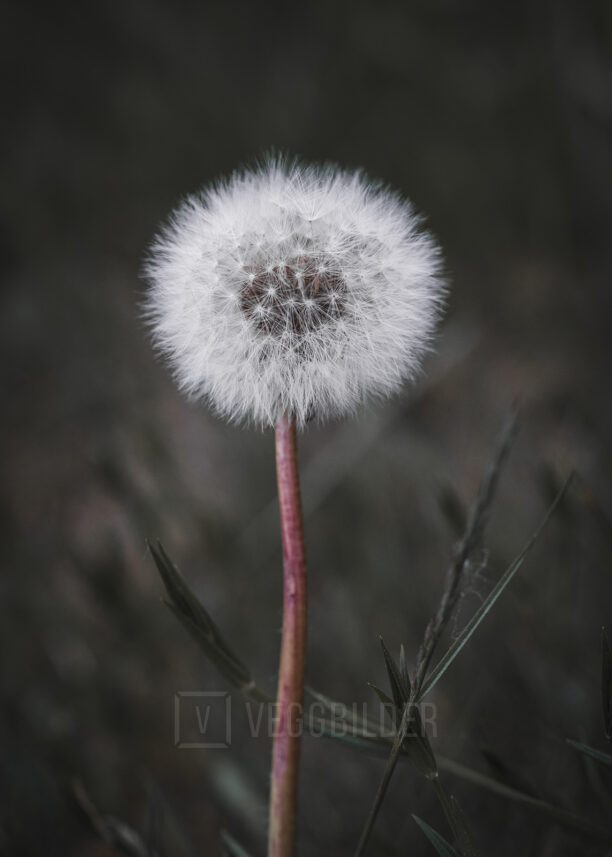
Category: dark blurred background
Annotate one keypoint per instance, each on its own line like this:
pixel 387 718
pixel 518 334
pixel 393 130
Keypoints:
pixel 495 119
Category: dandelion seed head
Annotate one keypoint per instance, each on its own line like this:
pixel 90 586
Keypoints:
pixel 293 289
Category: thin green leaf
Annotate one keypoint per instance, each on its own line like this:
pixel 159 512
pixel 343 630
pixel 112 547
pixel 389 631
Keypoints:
pixel 351 726
pixel 384 697
pixel 443 848
pixel 591 752
pixel 403 669
pixel 119 836
pixel 606 683
pixel 399 691
pixel 562 816
pixel 232 848
pixel 417 746
pixel 471 540
pixel 387 703
pixel 458 644
pixel 195 618
pixel 338 709
pixel 379 745
pixel 187 603
pixel 382 789
pixel 445 805
pixel 463 830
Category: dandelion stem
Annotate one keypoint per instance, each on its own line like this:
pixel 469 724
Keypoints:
pixel 290 693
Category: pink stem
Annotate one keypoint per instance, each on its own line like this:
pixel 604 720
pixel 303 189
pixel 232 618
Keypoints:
pixel 290 693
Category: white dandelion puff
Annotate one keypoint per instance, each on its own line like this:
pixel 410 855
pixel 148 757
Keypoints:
pixel 293 290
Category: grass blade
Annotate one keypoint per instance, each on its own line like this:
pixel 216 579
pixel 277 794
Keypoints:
pixel 446 661
pixel 377 744
pixel 591 752
pixel 399 691
pixel 195 618
pixel 382 789
pixel 386 702
pixel 458 644
pixel 338 710
pixel 443 848
pixel 476 523
pixel 403 668
pixel 563 816
pixel 463 830
pixel 231 848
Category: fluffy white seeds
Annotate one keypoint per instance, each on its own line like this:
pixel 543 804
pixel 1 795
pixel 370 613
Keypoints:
pixel 291 289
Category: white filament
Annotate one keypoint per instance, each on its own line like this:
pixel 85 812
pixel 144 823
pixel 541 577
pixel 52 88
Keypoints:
pixel 292 289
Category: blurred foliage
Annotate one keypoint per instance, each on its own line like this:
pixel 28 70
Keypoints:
pixel 496 120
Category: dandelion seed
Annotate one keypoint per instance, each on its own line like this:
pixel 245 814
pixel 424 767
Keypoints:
pixel 293 236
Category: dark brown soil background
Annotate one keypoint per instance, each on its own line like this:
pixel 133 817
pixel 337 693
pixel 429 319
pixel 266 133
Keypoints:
pixel 495 119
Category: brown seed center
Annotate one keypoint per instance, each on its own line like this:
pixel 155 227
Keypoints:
pixel 297 297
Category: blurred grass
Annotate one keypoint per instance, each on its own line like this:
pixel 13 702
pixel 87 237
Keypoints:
pixel 498 126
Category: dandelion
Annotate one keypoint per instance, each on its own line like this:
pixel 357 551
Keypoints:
pixel 285 294
pixel 293 290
